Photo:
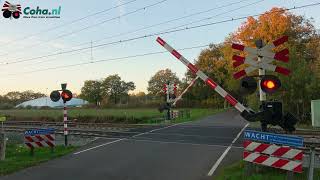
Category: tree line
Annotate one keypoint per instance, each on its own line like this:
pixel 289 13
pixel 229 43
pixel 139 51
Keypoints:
pixel 11 99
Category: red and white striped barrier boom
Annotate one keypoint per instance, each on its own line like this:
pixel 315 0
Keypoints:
pixel 204 77
pixel 47 140
pixel 264 52
pixel 272 155
pixel 184 91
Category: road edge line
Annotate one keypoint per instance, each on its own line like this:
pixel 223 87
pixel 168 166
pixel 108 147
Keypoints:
pixel 215 166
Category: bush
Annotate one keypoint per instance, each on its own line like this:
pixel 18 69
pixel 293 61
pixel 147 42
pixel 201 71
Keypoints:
pixel 6 106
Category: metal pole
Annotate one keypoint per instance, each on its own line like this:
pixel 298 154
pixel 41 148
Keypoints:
pixel 65 124
pixel 263 96
pixel 311 165
pixel 168 97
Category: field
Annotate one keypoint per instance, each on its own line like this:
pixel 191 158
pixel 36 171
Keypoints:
pixel 99 115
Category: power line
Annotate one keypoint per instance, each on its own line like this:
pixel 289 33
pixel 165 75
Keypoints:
pixel 208 18
pixel 92 26
pixel 161 33
pixel 67 23
pixel 164 22
pixel 80 49
pixel 105 60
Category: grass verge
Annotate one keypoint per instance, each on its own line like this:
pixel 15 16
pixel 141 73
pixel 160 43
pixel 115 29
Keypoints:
pixel 18 157
pixel 236 172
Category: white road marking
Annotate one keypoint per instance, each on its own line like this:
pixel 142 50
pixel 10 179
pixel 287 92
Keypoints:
pixel 182 143
pixel 157 129
pixel 188 135
pixel 215 166
pixel 76 153
pixel 98 146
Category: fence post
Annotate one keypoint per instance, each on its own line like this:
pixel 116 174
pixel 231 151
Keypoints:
pixel 2 146
pixel 248 169
pixel 311 165
pixel 289 175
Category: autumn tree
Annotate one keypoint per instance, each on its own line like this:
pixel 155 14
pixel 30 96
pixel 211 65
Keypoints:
pixel 301 86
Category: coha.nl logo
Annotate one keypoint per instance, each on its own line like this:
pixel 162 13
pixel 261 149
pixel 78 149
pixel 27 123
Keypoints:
pixel 11 10
pixel 14 10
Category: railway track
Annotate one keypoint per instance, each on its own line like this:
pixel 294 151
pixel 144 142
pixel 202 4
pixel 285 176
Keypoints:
pixel 81 132
pixel 82 129
pixel 116 130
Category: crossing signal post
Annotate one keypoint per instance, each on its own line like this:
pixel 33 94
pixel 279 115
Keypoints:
pixel 170 91
pixel 261 58
pixel 65 95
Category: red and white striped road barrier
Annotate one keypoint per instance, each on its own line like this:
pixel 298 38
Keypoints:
pixel 282 157
pixel 65 119
pixel 273 161
pixel 274 150
pixel 203 76
pixel 174 114
pixel 47 140
pixel 267 57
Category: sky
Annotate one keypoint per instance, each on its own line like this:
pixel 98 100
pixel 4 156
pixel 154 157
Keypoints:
pixel 24 40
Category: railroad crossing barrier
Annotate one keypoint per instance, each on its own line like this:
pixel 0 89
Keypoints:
pixel 39 138
pixel 282 157
pixel 273 150
pixel 178 114
pixel 174 114
pixel 214 85
pixel 281 151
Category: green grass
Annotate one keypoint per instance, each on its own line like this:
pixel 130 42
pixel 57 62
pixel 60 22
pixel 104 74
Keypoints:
pixel 18 157
pixel 141 115
pixel 236 172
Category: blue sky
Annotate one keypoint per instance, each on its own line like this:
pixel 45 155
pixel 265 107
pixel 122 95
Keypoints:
pixel 140 69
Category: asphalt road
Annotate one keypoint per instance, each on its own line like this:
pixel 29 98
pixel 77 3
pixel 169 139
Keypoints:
pixel 188 151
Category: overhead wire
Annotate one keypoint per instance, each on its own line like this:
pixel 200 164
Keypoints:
pixel 164 22
pixel 156 34
pixel 116 42
pixel 105 60
pixel 66 24
pixel 91 26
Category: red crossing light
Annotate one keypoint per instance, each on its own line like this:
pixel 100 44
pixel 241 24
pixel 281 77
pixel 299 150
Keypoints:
pixel 269 84
pixel 66 95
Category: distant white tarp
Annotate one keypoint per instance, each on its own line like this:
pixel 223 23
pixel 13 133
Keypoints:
pixel 46 101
